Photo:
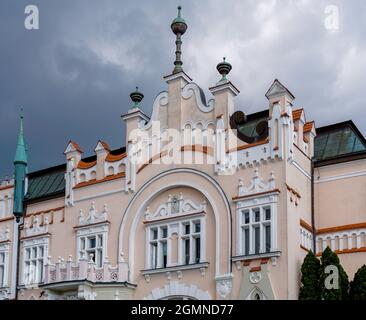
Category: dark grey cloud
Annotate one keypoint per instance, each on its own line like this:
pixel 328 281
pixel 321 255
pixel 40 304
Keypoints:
pixel 73 76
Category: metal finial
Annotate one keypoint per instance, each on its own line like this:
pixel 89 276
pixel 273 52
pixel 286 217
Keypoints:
pixel 136 97
pixel 178 27
pixel 224 68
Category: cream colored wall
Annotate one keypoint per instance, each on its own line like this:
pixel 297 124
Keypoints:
pixel 340 202
pixel 298 208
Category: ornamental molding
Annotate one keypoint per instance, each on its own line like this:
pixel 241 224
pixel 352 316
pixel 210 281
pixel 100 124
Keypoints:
pixel 160 101
pixel 224 285
pixel 36 228
pixel 255 277
pixel 191 89
pixel 175 206
pixel 257 184
pixel 93 216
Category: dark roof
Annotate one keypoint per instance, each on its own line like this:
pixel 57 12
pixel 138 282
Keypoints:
pixel 338 142
pixel 249 127
pixel 50 183
pixel 334 143
pixel 45 184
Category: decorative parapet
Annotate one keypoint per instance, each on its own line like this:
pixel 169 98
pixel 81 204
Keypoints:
pixel 84 270
pixel 306 238
pixel 342 241
pixel 257 185
pixel 93 216
pixel 176 205
pixel 36 227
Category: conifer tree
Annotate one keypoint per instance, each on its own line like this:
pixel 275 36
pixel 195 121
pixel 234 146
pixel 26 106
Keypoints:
pixel 330 258
pixel 358 285
pixel 310 271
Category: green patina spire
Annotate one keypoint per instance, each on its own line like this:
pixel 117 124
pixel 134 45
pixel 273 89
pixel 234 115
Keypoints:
pixel 20 172
pixel 179 27
pixel 21 150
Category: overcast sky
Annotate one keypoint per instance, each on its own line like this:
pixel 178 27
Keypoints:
pixel 73 76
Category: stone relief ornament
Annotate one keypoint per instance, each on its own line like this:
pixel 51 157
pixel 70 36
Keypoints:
pixel 36 227
pixel 93 216
pixel 223 287
pixel 174 206
pixel 255 277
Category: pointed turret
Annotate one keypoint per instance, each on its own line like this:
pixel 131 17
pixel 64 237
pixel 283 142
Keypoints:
pixel 20 172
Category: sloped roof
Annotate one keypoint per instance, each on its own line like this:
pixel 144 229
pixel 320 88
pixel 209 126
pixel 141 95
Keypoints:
pixel 338 140
pixel 49 183
pixel 46 183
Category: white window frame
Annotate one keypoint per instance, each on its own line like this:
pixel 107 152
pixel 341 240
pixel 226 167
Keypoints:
pixel 250 205
pixel 175 226
pixel 4 250
pixel 86 232
pixel 30 244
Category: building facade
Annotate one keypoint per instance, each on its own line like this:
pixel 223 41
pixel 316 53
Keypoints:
pixel 201 202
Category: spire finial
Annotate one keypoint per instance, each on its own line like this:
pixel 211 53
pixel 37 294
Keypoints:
pixel 136 97
pixel 21 149
pixel 224 68
pixel 178 27
pixel 20 172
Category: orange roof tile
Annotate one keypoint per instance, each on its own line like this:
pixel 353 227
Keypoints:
pixel 115 157
pixel 86 165
pixel 76 146
pixel 105 145
pixel 296 114
pixel 308 126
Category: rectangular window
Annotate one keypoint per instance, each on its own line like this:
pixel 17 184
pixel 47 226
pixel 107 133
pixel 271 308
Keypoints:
pixel 2 269
pixel 256 215
pixel 165 253
pixel 256 239
pixel 188 243
pixel 34 264
pixel 256 230
pixel 246 217
pixel 186 251
pixel 154 255
pixel 268 238
pixel 91 248
pixel 246 241
pixel 197 227
pixel 267 213
pixel 187 229
pixel 164 232
pixel 197 242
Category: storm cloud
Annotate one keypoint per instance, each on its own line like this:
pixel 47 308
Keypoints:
pixel 74 75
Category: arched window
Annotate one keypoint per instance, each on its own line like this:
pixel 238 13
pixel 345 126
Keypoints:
pixel 256 294
pixel 110 171
pixel 122 168
pixel 93 175
pixel 82 177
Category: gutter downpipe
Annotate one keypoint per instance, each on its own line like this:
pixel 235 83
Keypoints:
pixel 313 205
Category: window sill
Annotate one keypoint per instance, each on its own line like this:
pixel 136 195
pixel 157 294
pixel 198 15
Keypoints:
pixel 175 268
pixel 256 256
